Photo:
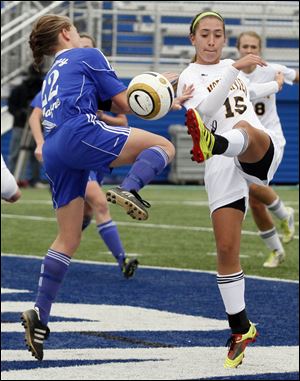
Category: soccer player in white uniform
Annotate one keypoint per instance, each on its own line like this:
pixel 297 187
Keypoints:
pixel 236 149
pixel 263 199
pixel 10 191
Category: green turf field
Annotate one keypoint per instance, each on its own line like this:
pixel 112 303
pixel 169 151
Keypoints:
pixel 177 234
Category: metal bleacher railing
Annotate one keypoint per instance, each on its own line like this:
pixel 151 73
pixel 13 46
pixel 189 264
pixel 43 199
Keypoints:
pixel 150 35
pixel 138 36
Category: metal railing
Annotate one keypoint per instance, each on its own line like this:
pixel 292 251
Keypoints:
pixel 17 18
pixel 104 24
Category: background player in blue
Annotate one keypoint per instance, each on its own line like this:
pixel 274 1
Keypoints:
pixel 95 200
pixel 76 142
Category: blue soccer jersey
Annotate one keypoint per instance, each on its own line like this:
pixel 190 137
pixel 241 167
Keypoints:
pixel 37 101
pixel 76 141
pixel 78 79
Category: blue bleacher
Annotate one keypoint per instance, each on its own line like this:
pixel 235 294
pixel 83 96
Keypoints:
pixel 135 43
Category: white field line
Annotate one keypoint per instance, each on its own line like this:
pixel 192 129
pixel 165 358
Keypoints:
pixel 157 202
pixel 133 224
pixel 151 267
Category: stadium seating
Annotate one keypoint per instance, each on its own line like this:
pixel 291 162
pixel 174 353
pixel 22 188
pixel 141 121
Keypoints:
pixel 138 36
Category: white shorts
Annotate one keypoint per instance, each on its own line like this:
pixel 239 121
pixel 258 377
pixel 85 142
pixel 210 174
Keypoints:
pixel 9 186
pixel 277 158
pixel 224 183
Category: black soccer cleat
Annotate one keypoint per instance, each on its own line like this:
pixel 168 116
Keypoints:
pixel 129 267
pixel 131 201
pixel 35 333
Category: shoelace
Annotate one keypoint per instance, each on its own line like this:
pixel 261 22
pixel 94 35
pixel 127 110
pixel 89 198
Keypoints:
pixel 139 198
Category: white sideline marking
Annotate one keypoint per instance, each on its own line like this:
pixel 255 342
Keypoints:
pixel 152 267
pixel 136 224
pixel 215 254
pixel 156 202
pixel 12 291
pixel 112 318
pixel 184 362
pixel 159 363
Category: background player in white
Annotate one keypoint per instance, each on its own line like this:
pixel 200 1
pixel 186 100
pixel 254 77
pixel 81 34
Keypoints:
pixel 240 149
pixel 10 191
pixel 263 199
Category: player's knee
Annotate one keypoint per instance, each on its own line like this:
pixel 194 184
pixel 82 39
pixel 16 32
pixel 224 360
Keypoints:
pixel 254 203
pixel 169 149
pixel 226 249
pixel 70 242
pixel 228 258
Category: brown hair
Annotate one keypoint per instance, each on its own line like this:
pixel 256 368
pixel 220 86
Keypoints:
pixel 251 34
pixel 85 35
pixel 200 16
pixel 44 36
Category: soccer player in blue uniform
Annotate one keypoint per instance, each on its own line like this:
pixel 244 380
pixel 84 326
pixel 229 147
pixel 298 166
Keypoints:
pixel 76 142
pixel 95 200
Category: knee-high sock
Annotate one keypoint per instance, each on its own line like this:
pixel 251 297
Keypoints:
pixel 278 209
pixel 110 235
pixel 148 164
pixel 53 270
pixel 272 240
pixel 231 143
pixel 232 289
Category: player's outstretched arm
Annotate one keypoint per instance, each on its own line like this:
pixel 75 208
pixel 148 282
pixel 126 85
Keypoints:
pixel 187 93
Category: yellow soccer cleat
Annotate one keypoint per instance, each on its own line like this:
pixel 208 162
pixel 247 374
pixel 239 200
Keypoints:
pixel 288 226
pixel 274 259
pixel 203 139
pixel 238 343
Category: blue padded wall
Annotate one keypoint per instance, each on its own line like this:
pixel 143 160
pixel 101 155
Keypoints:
pixel 288 110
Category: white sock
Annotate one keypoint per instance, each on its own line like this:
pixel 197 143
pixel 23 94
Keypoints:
pixel 232 289
pixel 237 142
pixel 278 209
pixel 271 239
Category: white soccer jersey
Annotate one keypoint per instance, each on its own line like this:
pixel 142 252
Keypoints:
pixel 237 105
pixel 225 181
pixel 265 107
pixel 8 183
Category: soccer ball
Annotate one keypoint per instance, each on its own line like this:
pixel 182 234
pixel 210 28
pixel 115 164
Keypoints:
pixel 150 95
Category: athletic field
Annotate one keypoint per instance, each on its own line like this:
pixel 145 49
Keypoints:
pixel 168 322
pixel 177 234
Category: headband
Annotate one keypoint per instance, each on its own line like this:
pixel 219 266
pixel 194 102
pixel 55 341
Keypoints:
pixel 205 14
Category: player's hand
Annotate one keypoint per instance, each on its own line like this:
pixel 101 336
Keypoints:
pixel 249 60
pixel 172 78
pixel 100 114
pixel 187 93
pixel 279 78
pixel 38 153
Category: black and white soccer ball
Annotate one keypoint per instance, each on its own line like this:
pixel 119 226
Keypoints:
pixel 150 95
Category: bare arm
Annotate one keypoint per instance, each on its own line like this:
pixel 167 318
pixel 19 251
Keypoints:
pixel 36 129
pixel 118 120
pixel 120 104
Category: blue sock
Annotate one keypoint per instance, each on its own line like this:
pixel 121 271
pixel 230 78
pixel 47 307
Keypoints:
pixel 53 270
pixel 86 221
pixel 148 164
pixel 110 235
